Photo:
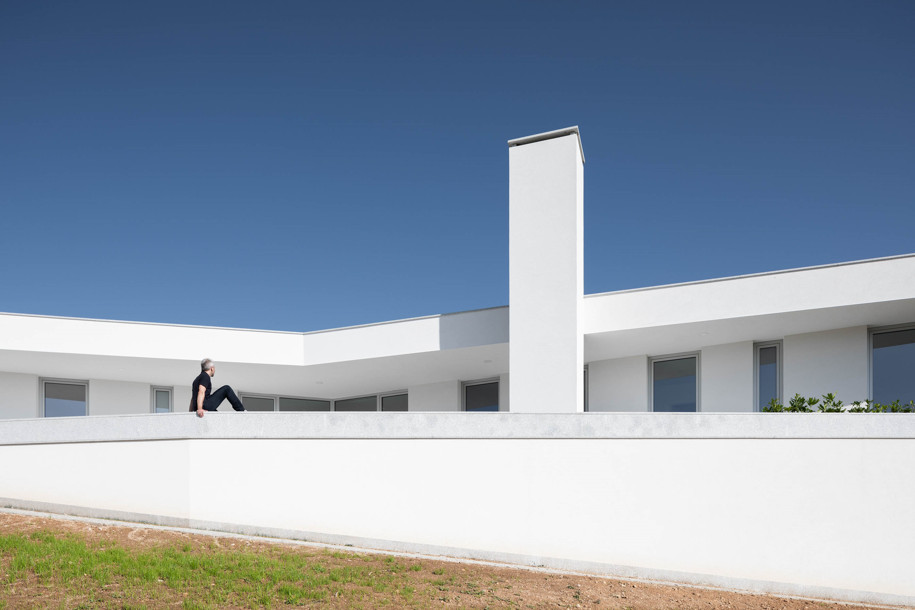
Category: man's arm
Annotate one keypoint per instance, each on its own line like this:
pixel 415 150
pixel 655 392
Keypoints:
pixel 201 393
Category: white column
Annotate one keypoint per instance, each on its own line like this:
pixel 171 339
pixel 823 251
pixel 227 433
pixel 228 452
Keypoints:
pixel 546 279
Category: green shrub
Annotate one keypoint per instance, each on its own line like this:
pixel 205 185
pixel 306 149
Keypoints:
pixel 828 403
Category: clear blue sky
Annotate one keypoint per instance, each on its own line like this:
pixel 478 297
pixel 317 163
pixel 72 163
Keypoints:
pixel 303 165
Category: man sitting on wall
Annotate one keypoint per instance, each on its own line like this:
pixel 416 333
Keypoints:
pixel 202 400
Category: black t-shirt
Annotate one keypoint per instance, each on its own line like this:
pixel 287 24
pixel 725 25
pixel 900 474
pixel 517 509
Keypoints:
pixel 203 379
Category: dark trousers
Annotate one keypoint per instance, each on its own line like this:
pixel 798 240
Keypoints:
pixel 212 403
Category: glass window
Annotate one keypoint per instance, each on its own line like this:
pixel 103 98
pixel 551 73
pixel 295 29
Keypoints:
pixel 481 396
pixel 258 403
pixel 674 385
pixel 893 366
pixel 64 399
pixel 394 402
pixel 162 400
pixel 303 404
pixel 363 403
pixel 767 374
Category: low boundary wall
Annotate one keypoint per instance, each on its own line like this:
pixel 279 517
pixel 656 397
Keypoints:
pixel 803 504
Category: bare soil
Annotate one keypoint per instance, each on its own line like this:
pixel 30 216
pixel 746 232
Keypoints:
pixel 437 584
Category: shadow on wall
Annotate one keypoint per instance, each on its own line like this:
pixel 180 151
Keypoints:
pixel 473 328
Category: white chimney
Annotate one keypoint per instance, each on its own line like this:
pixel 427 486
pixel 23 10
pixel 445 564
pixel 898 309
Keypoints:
pixel 546 278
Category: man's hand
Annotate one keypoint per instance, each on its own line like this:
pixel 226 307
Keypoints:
pixel 200 412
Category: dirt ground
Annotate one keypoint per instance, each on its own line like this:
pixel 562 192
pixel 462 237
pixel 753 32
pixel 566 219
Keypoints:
pixel 492 587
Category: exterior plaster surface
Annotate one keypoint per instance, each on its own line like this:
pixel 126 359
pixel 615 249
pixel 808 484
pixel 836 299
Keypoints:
pixel 117 397
pixel 833 361
pixel 19 395
pixel 727 377
pixel 181 398
pixel 618 385
pixel 546 278
pixel 444 396
pixel 123 477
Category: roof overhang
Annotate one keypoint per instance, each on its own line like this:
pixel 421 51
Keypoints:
pixel 686 317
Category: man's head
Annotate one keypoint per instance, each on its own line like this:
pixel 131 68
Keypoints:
pixel 208 366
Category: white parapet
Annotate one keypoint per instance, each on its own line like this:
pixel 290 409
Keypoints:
pixel 546 279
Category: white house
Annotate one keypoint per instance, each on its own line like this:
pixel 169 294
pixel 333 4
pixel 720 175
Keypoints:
pixel 791 503
pixel 726 345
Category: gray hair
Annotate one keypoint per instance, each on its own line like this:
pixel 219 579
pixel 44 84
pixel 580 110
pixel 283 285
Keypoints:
pixel 206 364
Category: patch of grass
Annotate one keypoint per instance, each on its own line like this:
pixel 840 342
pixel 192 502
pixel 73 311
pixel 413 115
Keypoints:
pixel 206 577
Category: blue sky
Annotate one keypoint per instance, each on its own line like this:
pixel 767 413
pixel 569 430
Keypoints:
pixel 299 165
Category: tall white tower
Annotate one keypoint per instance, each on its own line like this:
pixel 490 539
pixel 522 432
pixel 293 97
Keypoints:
pixel 546 277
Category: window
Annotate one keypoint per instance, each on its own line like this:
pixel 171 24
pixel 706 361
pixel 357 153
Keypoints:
pixel 362 403
pixel 303 404
pixel 481 396
pixel 675 384
pixel 161 400
pixel 258 403
pixel 290 404
pixel 768 373
pixel 64 398
pixel 397 401
pixel 394 402
pixel 892 365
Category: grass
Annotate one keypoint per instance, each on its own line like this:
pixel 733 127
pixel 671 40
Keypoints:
pixel 57 567
pixel 104 574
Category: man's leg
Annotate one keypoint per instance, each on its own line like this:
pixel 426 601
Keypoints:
pixel 221 394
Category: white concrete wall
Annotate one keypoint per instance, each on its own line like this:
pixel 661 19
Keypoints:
pixel 726 378
pixel 118 397
pixel 546 280
pixel 618 385
pixel 833 361
pixel 719 509
pixel 181 398
pixel 19 396
pixel 124 477
pixel 435 397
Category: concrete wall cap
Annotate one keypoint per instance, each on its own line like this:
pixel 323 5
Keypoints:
pixel 549 135
pixel 356 426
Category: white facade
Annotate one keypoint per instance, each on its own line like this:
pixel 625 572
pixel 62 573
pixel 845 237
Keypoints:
pixel 599 486
pixel 824 347
pixel 823 333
